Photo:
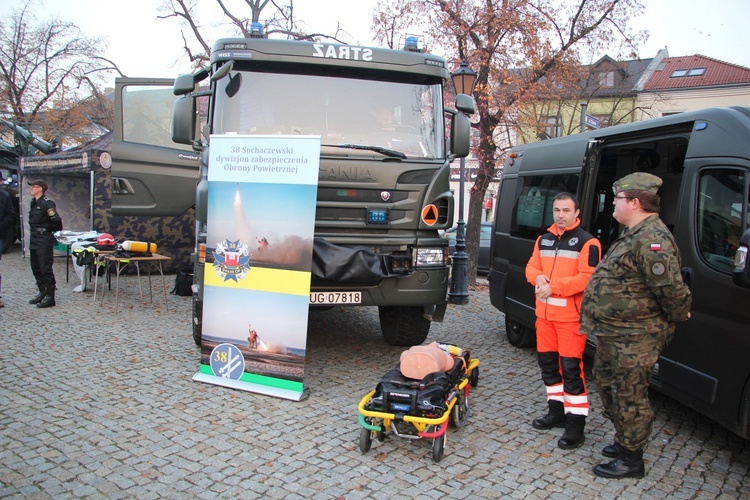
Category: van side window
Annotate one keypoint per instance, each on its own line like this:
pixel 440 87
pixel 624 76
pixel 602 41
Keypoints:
pixel 532 211
pixel 719 216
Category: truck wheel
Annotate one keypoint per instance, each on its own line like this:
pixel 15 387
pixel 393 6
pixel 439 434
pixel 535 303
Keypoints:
pixel 519 335
pixel 197 321
pixel 403 326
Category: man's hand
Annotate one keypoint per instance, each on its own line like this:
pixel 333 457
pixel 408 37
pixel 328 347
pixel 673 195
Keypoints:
pixel 542 288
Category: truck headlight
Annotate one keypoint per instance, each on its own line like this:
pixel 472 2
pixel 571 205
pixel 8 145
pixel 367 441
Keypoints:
pixel 429 257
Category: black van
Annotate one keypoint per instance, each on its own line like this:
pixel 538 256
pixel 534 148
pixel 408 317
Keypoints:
pixel 703 158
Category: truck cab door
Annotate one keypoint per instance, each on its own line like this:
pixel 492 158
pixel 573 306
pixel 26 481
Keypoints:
pixel 151 174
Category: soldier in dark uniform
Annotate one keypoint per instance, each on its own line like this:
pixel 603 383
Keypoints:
pixel 631 303
pixel 7 222
pixel 43 221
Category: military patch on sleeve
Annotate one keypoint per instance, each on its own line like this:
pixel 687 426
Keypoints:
pixel 51 212
pixel 655 247
pixel 658 268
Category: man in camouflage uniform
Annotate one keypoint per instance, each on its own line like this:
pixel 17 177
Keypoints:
pixel 631 303
pixel 43 221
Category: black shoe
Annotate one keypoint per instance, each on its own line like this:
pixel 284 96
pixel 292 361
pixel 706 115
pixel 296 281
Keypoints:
pixel 47 301
pixel 37 299
pixel 610 451
pixel 573 435
pixel 555 417
pixel 629 464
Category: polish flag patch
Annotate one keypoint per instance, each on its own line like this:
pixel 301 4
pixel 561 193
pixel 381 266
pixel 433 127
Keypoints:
pixel 655 247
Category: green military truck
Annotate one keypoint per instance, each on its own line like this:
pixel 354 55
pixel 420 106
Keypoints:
pixel 383 191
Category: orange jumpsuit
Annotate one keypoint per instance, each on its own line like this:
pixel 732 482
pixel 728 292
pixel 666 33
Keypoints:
pixel 568 259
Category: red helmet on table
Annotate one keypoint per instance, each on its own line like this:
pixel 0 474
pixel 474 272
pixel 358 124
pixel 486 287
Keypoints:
pixel 105 239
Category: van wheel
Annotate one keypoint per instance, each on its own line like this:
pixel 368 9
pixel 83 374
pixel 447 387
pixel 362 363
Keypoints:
pixel 519 335
pixel 197 321
pixel 403 326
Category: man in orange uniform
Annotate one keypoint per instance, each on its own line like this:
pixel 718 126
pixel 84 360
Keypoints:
pixel 559 268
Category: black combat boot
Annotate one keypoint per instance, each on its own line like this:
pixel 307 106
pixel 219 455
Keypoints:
pixel 573 435
pixel 611 451
pixel 39 296
pixel 628 464
pixel 49 298
pixel 555 417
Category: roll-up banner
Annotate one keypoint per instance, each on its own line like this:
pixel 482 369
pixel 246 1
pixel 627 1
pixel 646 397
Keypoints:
pixel 262 192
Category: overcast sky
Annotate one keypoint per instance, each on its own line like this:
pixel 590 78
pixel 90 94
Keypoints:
pixel 141 45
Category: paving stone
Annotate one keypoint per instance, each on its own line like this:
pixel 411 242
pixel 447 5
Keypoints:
pixel 102 405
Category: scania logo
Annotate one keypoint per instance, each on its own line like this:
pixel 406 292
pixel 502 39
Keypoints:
pixel 385 195
pixel 351 174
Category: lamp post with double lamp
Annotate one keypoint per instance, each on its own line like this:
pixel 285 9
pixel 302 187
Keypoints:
pixel 463 81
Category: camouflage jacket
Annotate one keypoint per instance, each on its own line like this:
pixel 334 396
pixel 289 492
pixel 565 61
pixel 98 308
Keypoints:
pixel 637 287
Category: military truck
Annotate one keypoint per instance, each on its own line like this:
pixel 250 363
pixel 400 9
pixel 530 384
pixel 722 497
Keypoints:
pixel 703 158
pixel 383 190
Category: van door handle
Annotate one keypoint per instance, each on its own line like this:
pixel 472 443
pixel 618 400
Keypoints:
pixel 687 275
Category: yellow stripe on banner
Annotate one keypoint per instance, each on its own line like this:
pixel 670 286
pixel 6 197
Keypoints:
pixel 264 280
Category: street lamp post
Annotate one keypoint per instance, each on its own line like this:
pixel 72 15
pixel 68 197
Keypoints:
pixel 463 81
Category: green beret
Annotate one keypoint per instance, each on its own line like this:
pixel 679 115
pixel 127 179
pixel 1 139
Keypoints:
pixel 638 180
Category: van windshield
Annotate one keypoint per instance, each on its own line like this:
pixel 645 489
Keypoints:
pixel 401 117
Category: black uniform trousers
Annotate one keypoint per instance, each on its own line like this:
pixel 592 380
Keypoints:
pixel 42 258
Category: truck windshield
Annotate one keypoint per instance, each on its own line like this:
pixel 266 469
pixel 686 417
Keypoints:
pixel 399 117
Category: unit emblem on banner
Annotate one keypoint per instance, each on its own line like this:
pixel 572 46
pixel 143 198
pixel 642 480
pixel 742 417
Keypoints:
pixel 231 260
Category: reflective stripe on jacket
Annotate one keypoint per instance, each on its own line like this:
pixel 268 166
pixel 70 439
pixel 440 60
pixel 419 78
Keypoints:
pixel 568 259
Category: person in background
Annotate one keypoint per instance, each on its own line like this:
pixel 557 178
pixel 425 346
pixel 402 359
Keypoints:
pixel 7 221
pixel 559 268
pixel 43 221
pixel 632 302
pixel 487 209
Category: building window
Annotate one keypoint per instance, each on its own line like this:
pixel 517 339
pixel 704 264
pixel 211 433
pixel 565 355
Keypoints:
pixel 553 128
pixel 687 72
pixel 607 79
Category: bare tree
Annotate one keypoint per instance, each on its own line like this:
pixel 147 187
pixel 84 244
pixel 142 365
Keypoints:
pixel 516 47
pixel 45 63
pixel 196 36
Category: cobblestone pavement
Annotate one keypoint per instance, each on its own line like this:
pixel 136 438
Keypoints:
pixel 100 405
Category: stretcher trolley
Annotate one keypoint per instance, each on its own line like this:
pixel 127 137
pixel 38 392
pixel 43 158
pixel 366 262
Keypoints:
pixel 419 409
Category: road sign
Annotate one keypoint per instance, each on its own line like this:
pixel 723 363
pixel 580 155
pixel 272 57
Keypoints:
pixel 592 122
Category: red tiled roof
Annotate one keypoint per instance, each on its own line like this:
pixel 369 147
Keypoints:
pixel 717 73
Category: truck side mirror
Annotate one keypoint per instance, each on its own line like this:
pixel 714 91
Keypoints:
pixel 460 141
pixel 183 120
pixel 183 84
pixel 460 135
pixel 741 271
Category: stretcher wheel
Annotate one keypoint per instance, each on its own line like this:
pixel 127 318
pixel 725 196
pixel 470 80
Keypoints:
pixel 460 412
pixel 438 448
pixel 474 377
pixel 365 440
pixel 381 432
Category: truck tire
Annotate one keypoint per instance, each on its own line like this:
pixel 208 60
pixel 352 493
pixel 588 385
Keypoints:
pixel 197 321
pixel 519 335
pixel 403 326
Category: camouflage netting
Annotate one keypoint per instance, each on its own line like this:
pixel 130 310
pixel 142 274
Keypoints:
pixel 70 175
